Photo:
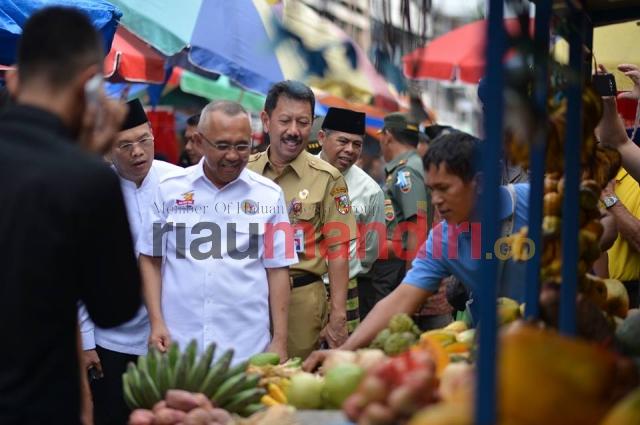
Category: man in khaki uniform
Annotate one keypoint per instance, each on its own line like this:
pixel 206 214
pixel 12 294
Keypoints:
pixel 405 199
pixel 320 212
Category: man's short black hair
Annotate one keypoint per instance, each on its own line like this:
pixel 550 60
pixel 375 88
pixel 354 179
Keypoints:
pixel 410 138
pixel 58 43
pixel 193 120
pixel 293 90
pixel 458 151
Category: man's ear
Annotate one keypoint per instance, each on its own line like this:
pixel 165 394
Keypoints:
pixel 264 117
pixel 82 78
pixel 12 82
pixel 197 140
pixel 478 182
pixel 321 136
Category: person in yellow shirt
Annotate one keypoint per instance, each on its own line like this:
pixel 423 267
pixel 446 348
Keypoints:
pixel 621 197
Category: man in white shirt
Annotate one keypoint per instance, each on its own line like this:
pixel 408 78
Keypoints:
pixel 342 138
pixel 110 350
pixel 213 267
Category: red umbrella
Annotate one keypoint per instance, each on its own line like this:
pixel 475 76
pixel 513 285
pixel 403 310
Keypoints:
pixel 458 54
pixel 133 60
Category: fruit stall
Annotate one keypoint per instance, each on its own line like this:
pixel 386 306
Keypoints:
pixel 569 354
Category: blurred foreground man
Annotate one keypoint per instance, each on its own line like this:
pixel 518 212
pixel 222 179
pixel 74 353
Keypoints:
pixel 221 272
pixel 316 195
pixel 342 139
pixel 110 350
pixel 63 221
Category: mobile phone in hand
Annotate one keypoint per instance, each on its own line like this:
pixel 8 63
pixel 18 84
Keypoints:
pixel 605 85
pixel 93 92
pixel 94 374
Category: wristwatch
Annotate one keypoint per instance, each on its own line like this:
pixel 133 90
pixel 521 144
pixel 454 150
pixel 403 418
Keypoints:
pixel 610 201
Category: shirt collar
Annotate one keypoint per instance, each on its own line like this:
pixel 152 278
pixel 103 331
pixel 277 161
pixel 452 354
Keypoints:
pixel 391 165
pixel 132 185
pixel 297 164
pixel 197 172
pixel 622 173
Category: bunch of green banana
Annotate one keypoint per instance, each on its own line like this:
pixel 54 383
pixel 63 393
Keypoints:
pixel 233 389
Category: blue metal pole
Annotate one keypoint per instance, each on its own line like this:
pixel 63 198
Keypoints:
pixel 570 205
pixel 486 394
pixel 538 151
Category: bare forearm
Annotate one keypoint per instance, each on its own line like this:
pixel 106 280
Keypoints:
pixel 610 232
pixel 152 286
pixel 338 284
pixel 630 153
pixel 628 226
pixel 279 292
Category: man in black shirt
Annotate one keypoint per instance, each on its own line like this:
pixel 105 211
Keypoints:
pixel 65 235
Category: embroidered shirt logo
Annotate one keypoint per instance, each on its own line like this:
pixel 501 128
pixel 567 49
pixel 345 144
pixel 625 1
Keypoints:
pixel 187 199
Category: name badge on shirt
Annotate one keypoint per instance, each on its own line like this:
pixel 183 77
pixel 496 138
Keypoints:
pixel 298 240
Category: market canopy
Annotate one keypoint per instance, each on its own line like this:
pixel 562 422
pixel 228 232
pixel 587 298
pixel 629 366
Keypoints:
pixel 254 44
pixel 131 59
pixel 14 13
pixel 457 55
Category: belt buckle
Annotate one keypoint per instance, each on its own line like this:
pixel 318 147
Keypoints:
pixel 290 282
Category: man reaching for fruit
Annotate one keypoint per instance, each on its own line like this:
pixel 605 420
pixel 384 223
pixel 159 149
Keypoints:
pixel 452 247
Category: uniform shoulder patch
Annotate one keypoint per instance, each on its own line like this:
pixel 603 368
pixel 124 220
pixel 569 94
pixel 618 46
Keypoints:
pixel 389 212
pixel 403 180
pixel 338 190
pixel 343 204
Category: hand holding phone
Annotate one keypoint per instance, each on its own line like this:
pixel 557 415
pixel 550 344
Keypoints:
pixel 605 85
pixel 93 93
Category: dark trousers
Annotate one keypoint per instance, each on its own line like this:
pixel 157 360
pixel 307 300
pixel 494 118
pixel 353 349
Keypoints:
pixel 384 277
pixel 109 407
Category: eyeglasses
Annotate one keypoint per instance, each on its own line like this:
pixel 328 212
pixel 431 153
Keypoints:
pixel 128 146
pixel 241 148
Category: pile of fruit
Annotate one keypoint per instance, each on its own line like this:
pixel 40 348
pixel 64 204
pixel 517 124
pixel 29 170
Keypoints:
pixel 273 376
pixel 401 334
pixel 230 388
pixel 395 389
pixel 341 373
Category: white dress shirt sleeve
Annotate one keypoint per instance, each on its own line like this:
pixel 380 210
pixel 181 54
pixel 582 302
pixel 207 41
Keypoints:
pixel 281 256
pixel 86 328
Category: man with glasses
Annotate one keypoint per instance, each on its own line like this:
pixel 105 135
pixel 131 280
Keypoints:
pixel 214 268
pixel 319 207
pixel 108 351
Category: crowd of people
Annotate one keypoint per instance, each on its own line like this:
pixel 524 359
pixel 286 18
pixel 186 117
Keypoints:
pixel 109 251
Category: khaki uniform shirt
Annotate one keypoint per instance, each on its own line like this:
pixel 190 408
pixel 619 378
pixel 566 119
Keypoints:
pixel 404 191
pixel 315 194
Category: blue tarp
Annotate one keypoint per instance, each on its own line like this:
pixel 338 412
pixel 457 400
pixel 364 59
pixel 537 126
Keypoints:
pixel 14 13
